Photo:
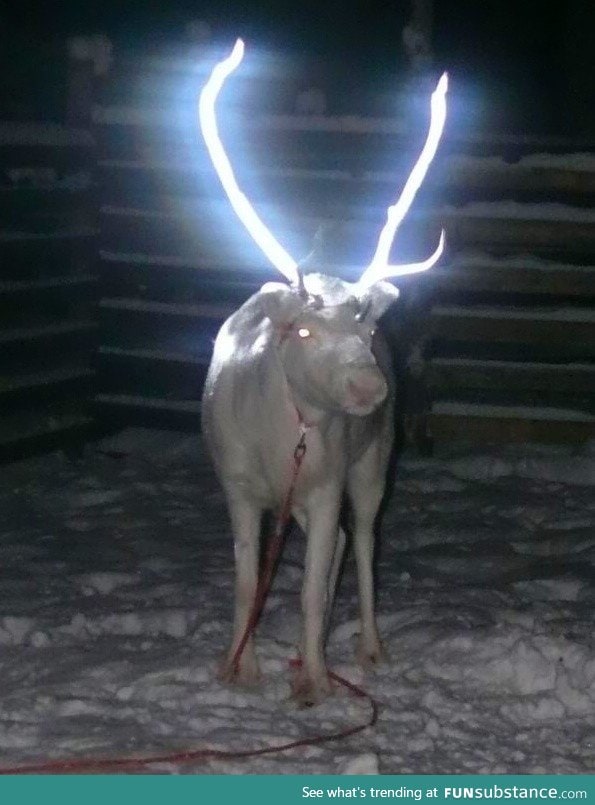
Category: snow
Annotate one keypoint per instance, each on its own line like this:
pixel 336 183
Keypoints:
pixel 116 586
pixel 552 464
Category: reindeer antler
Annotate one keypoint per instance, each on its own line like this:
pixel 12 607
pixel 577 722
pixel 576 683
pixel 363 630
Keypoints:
pixel 379 268
pixel 282 261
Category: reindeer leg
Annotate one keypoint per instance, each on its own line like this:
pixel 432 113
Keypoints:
pixel 312 683
pixel 365 485
pixel 334 575
pixel 246 521
pixel 336 563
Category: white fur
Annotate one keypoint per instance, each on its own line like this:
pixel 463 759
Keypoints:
pixel 257 381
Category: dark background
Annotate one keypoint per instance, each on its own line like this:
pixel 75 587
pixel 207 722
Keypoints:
pixel 533 58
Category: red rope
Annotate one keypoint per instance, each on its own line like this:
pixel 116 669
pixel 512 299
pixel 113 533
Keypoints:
pixel 273 553
pixel 92 765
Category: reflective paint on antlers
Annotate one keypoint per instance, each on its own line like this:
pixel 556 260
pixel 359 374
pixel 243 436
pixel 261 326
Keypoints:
pixel 379 267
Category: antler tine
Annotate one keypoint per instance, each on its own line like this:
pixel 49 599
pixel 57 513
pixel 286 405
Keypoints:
pixel 272 249
pixel 379 268
pixel 300 285
pixel 278 256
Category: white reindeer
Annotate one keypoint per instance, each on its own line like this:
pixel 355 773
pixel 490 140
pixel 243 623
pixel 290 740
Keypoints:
pixel 305 356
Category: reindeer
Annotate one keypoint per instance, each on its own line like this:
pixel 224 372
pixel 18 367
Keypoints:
pixel 305 357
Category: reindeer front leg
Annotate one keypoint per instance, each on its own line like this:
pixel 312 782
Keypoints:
pixel 246 522
pixel 365 486
pixel 322 516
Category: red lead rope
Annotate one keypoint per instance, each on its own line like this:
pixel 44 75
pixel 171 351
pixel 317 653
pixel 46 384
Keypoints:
pixel 274 548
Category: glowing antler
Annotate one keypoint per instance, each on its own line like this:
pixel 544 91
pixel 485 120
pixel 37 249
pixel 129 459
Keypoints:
pixel 244 210
pixel 379 268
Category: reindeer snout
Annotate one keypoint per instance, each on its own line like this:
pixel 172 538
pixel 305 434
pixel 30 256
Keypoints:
pixel 365 389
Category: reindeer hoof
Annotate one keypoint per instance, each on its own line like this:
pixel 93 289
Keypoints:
pixel 371 655
pixel 308 691
pixel 246 676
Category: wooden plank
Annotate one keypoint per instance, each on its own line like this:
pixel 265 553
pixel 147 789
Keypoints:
pixel 24 334
pixel 119 411
pixel 547 181
pixel 459 181
pixel 519 276
pixel 64 159
pixel 522 275
pixel 34 239
pixel 27 382
pixel 26 391
pixel 182 358
pixel 356 126
pixel 53 136
pixel 549 236
pixel 447 375
pixel 24 208
pixel 197 226
pixel 46 284
pixel 140 330
pixel 138 401
pixel 488 424
pixel 151 372
pixel 55 297
pixel 206 311
pixel 372 153
pixel 164 276
pixel 37 259
pixel 574 329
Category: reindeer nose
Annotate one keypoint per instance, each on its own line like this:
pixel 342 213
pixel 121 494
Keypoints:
pixel 366 388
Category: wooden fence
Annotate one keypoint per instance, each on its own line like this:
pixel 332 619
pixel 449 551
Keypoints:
pixel 117 330
pixel 513 320
pixel 47 287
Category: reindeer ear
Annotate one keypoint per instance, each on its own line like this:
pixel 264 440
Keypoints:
pixel 380 296
pixel 280 303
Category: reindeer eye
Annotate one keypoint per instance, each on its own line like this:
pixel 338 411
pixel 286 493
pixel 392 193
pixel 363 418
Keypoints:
pixel 303 332
pixel 372 333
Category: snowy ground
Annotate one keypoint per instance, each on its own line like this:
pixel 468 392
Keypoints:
pixel 115 606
